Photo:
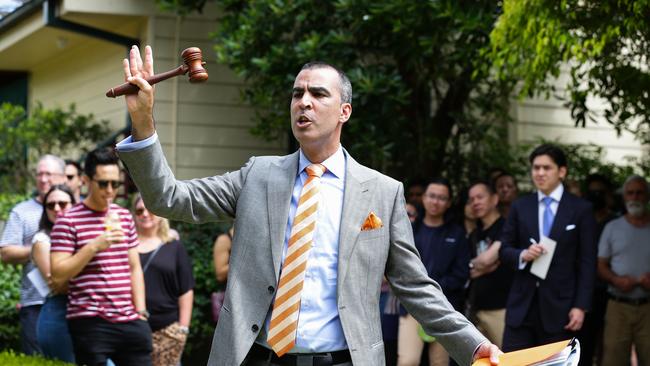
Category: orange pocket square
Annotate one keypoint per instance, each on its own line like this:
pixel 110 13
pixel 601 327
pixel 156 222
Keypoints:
pixel 372 222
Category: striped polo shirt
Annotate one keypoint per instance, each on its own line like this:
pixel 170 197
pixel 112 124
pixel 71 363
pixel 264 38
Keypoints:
pixel 103 287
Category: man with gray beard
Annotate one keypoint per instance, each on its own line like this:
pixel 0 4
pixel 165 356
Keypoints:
pixel 624 262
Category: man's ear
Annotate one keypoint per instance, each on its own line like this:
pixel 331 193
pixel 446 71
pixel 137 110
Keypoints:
pixel 495 199
pixel 346 112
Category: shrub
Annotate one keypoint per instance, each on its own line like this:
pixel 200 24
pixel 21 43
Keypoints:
pixel 9 286
pixel 198 240
pixel 9 358
pixel 53 131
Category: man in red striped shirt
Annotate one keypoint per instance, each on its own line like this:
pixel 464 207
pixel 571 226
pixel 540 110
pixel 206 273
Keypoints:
pixel 94 247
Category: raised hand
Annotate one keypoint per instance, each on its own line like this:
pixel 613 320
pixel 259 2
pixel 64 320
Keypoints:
pixel 140 105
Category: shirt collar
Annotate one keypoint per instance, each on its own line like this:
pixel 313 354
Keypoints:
pixel 335 164
pixel 556 194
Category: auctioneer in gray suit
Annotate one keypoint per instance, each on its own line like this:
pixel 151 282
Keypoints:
pixel 259 195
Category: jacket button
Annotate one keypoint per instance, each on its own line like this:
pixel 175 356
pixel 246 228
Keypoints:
pixel 271 290
pixel 255 328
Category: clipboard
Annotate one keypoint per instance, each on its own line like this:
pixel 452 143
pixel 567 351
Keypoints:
pixel 540 265
pixel 564 353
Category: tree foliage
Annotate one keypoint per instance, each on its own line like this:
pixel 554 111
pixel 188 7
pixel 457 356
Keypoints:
pixel 413 67
pixel 46 131
pixel 604 44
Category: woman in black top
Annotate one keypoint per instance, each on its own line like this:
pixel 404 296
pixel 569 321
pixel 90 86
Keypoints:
pixel 168 285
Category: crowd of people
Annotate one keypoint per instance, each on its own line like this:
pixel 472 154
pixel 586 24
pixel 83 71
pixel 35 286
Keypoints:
pixel 317 234
pixel 477 247
pixel 595 288
pixel 102 285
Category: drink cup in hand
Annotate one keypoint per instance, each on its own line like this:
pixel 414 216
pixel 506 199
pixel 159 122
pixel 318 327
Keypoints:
pixel 112 231
pixel 112 221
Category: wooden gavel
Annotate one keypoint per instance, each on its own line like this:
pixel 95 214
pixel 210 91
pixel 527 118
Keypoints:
pixel 192 62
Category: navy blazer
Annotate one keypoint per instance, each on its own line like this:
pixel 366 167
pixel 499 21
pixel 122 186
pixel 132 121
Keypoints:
pixel 572 273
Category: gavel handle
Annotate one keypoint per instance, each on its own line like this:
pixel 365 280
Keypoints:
pixel 128 88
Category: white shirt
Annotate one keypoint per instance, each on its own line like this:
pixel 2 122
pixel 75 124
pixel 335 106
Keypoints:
pixel 557 196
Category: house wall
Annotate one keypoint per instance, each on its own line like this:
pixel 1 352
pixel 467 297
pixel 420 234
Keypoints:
pixel 551 120
pixel 81 75
pixel 204 128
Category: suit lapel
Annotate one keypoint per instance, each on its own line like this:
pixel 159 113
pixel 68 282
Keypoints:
pixel 356 202
pixel 532 219
pixel 279 189
pixel 562 216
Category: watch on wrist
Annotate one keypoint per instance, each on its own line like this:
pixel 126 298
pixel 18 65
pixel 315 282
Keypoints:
pixel 184 329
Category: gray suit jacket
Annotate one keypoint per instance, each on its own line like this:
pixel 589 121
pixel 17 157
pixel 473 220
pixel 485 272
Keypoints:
pixel 259 195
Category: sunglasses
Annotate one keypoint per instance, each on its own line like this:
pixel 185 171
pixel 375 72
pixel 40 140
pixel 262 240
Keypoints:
pixel 62 204
pixel 139 211
pixel 71 177
pixel 103 184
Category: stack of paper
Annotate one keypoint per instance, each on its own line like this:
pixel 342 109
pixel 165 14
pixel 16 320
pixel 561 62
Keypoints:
pixel 554 354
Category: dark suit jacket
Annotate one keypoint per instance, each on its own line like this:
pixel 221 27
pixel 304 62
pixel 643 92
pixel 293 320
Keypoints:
pixel 571 276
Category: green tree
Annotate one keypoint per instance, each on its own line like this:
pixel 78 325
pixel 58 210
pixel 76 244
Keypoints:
pixel 413 66
pixel 54 131
pixel 603 44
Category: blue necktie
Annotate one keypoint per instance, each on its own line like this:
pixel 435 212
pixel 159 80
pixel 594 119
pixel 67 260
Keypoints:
pixel 547 221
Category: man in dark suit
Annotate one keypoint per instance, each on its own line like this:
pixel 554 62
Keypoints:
pixel 541 311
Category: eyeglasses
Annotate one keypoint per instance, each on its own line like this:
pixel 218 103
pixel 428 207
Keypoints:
pixel 140 211
pixel 71 177
pixel 435 197
pixel 103 184
pixel 62 204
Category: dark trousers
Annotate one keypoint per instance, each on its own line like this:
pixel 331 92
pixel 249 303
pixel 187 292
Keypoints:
pixel 531 332
pixel 591 333
pixel 28 318
pixel 95 340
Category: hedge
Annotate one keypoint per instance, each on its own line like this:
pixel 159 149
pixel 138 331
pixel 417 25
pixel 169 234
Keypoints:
pixel 9 286
pixel 9 358
pixel 198 240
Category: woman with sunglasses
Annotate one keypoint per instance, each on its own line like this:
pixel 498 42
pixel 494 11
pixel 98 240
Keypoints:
pixel 168 282
pixel 52 328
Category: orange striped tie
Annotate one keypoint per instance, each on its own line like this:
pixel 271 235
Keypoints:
pixel 284 317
